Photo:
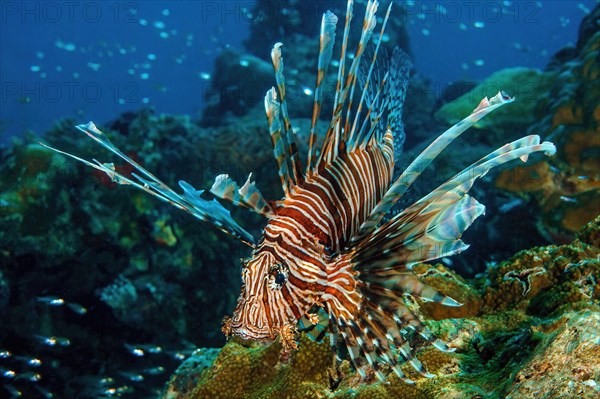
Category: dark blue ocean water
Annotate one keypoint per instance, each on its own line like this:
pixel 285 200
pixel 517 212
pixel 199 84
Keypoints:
pixel 97 59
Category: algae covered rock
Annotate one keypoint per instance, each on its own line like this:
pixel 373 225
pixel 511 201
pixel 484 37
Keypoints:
pixel 565 363
pixel 567 186
pixel 524 84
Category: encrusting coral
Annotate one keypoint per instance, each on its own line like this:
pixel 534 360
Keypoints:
pixel 533 316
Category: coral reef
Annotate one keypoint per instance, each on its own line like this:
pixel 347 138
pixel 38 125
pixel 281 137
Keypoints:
pixel 533 316
pixel 524 84
pixel 568 112
pixel 562 104
pixel 121 267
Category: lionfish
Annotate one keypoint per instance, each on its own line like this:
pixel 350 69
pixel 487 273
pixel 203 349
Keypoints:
pixel 331 245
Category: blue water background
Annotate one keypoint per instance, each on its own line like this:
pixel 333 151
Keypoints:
pixel 95 60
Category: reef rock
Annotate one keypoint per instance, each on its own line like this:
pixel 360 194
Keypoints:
pixel 529 327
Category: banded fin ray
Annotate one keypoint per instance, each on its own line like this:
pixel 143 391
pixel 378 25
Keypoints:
pixel 384 106
pixel 191 202
pixel 273 110
pixel 334 135
pixel 326 41
pixel 414 170
pixel 287 134
pixel 349 134
pixel 431 228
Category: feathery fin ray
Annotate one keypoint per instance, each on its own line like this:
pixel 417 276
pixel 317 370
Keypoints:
pixel 248 195
pixel 210 211
pixel 415 169
pixel 287 134
pixel 326 41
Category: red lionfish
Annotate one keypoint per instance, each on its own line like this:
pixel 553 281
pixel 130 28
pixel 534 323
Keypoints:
pixel 327 246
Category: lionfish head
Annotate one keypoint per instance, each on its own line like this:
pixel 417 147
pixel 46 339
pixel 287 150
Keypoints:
pixel 261 312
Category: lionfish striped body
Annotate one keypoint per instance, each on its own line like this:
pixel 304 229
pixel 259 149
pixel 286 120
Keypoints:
pixel 326 244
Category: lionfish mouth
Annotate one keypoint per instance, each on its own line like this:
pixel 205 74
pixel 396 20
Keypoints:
pixel 250 331
pixel 250 334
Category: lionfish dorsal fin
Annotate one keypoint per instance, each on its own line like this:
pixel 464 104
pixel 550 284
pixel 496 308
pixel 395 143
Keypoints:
pixel 248 196
pixel 414 170
pixel 273 110
pixel 346 83
pixel 191 202
pixel 287 133
pixel 350 133
pixel 326 41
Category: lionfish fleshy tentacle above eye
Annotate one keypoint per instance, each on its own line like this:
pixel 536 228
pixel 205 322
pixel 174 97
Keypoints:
pixel 414 170
pixel 326 41
pixel 287 133
pixel 210 211
pixel 248 195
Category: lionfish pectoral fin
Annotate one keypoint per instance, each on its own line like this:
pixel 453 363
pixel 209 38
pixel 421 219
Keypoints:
pixel 427 230
pixel 314 323
pixel 377 336
pixel 248 196
pixel 210 211
pixel 414 170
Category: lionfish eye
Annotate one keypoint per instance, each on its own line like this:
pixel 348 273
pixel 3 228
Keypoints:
pixel 277 276
pixel 244 263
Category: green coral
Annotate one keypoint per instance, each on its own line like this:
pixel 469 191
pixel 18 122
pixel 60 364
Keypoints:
pixel 522 83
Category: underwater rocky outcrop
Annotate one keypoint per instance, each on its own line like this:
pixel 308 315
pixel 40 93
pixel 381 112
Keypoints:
pixel 86 268
pixel 530 326
pixel 242 78
pixel 562 104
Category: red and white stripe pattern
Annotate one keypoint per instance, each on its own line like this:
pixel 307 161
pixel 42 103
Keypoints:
pixel 325 243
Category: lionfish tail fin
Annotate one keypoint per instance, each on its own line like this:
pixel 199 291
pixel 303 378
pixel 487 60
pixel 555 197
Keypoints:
pixel 414 170
pixel 209 211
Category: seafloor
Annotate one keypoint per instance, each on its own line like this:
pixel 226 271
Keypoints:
pixel 111 289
